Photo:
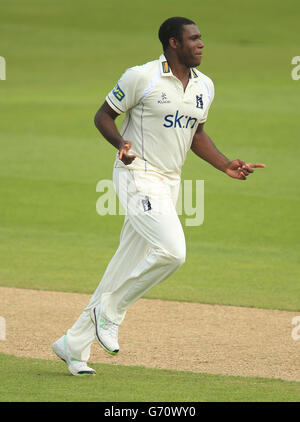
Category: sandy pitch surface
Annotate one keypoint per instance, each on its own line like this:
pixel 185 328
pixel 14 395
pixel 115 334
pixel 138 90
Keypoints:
pixel 194 337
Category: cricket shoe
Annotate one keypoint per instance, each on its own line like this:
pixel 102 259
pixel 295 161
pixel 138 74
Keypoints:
pixel 106 332
pixel 76 367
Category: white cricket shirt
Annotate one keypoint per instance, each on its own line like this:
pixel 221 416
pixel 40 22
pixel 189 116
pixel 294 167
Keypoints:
pixel 161 118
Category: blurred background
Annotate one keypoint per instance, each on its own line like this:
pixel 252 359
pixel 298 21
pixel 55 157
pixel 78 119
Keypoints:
pixel 62 58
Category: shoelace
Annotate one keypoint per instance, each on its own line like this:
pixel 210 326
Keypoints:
pixel 110 326
pixel 80 366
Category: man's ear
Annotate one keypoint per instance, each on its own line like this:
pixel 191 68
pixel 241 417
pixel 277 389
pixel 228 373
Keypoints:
pixel 174 43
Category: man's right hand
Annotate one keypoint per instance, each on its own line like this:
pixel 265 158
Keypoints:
pixel 123 153
pixel 105 123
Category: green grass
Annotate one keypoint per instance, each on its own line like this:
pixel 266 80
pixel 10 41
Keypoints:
pixel 62 59
pixel 33 380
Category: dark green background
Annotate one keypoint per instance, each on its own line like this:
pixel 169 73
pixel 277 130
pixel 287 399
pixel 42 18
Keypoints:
pixel 62 59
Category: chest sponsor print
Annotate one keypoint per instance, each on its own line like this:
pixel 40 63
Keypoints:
pixel 178 120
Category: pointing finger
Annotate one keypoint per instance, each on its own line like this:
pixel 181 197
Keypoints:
pixel 256 165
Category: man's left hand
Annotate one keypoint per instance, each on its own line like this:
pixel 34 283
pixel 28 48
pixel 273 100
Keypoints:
pixel 238 169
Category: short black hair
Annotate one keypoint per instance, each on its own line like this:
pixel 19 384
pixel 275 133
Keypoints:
pixel 172 27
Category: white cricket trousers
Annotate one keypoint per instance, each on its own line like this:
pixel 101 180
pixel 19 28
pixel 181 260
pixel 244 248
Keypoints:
pixel 152 247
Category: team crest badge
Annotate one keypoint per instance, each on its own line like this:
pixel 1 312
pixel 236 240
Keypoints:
pixel 146 204
pixel 199 101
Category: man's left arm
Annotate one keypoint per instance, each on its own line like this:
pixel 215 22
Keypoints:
pixel 204 147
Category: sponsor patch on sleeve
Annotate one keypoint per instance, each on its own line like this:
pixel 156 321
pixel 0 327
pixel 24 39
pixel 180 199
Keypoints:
pixel 118 93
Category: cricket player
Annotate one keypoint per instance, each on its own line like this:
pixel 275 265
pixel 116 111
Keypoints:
pixel 166 102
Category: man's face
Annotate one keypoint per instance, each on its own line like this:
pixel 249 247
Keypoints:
pixel 190 48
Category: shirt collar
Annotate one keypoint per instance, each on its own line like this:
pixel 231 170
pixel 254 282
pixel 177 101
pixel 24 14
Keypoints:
pixel 165 69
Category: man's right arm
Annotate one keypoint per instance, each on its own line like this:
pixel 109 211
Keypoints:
pixel 105 123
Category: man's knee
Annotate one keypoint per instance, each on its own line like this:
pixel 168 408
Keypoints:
pixel 179 258
pixel 175 256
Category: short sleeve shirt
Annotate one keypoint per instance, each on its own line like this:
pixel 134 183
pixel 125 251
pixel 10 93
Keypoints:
pixel 161 118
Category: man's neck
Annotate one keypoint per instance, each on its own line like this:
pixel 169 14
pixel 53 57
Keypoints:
pixel 178 69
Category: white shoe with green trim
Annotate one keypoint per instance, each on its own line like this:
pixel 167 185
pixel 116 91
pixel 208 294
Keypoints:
pixel 106 332
pixel 76 367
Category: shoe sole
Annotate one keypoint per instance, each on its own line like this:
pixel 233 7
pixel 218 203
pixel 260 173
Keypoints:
pixel 80 374
pixel 94 321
